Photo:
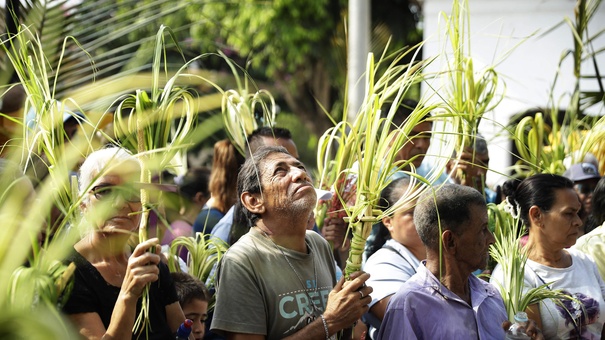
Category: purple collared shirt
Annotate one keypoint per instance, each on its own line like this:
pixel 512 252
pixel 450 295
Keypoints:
pixel 423 308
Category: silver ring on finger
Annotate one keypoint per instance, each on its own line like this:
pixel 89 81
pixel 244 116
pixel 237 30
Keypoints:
pixel 361 293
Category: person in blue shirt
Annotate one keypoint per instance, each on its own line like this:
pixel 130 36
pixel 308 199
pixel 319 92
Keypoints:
pixel 226 161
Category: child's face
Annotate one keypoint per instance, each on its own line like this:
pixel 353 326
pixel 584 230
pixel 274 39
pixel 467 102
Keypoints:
pixel 197 311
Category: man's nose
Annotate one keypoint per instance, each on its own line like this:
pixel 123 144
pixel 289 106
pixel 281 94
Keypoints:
pixel 300 174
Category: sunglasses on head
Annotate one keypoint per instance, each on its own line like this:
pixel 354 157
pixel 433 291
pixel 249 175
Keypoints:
pixel 585 188
pixel 113 192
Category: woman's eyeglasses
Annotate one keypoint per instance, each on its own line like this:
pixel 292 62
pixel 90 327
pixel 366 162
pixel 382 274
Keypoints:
pixel 113 192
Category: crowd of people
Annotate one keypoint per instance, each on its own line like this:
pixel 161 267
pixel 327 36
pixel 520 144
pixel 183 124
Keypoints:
pixel 282 276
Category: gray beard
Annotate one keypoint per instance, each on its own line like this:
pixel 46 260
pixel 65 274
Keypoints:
pixel 299 209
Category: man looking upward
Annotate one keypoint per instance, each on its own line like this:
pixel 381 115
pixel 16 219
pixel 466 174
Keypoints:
pixel 264 136
pixel 278 281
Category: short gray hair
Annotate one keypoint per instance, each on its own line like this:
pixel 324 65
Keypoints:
pixel 450 204
pixel 99 161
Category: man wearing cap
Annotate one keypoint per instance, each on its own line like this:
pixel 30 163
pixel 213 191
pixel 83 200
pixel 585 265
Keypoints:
pixel 585 177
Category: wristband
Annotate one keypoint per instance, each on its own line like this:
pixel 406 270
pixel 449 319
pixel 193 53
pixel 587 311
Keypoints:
pixel 323 319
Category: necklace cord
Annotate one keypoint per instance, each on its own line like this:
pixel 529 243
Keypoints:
pixel 315 308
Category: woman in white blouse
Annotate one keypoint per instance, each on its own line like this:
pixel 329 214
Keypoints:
pixel 549 206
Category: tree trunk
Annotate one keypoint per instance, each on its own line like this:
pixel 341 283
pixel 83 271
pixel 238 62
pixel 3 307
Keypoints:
pixel 312 91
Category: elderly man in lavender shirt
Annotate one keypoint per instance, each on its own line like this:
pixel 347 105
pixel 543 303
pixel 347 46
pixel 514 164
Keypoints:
pixel 447 301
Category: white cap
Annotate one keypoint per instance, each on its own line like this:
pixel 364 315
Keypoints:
pixel 323 194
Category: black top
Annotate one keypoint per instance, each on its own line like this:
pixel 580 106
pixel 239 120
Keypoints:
pixel 92 294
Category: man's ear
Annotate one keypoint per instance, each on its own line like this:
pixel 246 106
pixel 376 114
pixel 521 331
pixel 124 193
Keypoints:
pixel 449 241
pixel 253 202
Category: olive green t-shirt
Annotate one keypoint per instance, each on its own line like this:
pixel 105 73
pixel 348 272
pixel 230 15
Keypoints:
pixel 258 292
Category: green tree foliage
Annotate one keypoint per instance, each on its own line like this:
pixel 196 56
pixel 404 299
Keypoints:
pixel 300 46
pixel 290 43
pixel 281 36
pixel 294 49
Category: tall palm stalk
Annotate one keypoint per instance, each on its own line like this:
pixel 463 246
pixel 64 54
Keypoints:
pixel 39 286
pixel 582 53
pixel 41 146
pixel 99 29
pixel 243 109
pixel 157 127
pixel 367 149
pixel 543 147
pixel 469 93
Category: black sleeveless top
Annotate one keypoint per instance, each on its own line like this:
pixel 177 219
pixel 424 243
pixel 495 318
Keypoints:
pixel 92 294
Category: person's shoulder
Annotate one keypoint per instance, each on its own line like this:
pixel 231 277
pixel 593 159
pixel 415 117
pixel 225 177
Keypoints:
pixel 426 168
pixel 414 286
pixel 243 244
pixel 250 246
pixel 410 293
pixel 209 212
pixel 315 237
pixel 81 263
pixel 380 256
pixel 223 226
pixel 580 256
pixel 318 242
pixel 597 236
pixel 385 255
pixel 226 220
pixel 75 257
pixel 215 214
pixel 575 253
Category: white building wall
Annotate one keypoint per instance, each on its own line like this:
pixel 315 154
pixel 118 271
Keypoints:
pixel 529 71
